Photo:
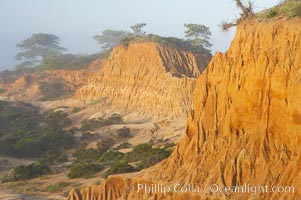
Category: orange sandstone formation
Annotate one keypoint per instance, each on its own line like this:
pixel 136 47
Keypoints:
pixel 148 78
pixel 245 127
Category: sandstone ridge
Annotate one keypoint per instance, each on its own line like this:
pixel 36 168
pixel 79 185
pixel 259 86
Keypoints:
pixel 29 86
pixel 148 78
pixel 245 127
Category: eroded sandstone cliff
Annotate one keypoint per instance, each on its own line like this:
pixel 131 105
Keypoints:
pixel 35 86
pixel 245 127
pixel 148 78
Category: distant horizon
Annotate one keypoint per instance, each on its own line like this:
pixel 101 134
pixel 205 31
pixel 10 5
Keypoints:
pixel 75 25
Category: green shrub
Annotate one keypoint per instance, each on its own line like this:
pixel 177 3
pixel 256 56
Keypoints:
pixel 152 157
pixel 56 118
pixel 84 170
pixel 122 133
pixel 126 40
pixel 105 144
pixel 76 109
pixel 111 156
pixel 54 89
pixel 115 119
pixel 138 152
pixel 296 11
pixel 24 132
pixel 87 155
pixel 146 155
pixel 272 13
pixel 38 144
pixel 70 61
pixel 53 157
pixel 89 136
pixel 18 116
pixel 169 145
pixel 292 8
pixel 119 168
pixel 91 155
pixel 31 171
pixel 93 124
pixel 57 187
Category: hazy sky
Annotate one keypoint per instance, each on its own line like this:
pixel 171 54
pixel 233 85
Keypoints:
pixel 76 21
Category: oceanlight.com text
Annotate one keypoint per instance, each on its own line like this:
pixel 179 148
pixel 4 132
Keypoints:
pixel 251 189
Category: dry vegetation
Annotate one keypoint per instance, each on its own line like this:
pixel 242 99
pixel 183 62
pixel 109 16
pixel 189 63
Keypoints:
pixel 286 9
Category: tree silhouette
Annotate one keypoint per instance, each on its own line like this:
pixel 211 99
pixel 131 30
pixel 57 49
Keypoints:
pixel 38 47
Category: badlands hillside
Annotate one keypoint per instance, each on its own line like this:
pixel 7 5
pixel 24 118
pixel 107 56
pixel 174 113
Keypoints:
pixel 244 127
pixel 147 78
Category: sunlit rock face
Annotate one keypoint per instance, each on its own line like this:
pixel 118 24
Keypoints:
pixel 148 78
